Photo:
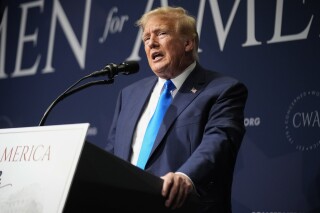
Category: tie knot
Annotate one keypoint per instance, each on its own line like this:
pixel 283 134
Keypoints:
pixel 169 86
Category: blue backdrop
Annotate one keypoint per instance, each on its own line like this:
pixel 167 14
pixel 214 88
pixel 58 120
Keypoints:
pixel 271 45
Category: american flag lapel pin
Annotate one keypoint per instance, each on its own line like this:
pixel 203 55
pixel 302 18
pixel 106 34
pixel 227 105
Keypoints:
pixel 194 90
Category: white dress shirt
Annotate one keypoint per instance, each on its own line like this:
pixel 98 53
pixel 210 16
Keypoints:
pixel 151 107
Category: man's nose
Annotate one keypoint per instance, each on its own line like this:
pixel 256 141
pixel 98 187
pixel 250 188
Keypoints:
pixel 153 42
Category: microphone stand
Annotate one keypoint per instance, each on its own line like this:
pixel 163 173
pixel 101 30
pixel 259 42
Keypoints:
pixel 71 90
pixel 111 70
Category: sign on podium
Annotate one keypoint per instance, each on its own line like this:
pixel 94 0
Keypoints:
pixel 37 165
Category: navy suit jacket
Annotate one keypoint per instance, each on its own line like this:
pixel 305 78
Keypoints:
pixel 200 135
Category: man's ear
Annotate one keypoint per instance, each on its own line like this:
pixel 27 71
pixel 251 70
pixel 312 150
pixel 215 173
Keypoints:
pixel 189 45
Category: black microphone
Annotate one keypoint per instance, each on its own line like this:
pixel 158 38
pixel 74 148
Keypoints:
pixel 126 68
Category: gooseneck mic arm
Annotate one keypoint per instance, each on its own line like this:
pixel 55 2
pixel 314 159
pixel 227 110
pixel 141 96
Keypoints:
pixel 70 92
pixel 111 70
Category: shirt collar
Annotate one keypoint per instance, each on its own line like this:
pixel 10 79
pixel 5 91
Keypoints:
pixel 178 81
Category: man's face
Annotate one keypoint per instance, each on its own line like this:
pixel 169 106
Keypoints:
pixel 165 47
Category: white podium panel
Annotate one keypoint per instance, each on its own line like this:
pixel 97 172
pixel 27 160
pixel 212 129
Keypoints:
pixel 37 165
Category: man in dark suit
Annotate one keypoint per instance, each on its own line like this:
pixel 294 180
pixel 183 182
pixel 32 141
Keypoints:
pixel 197 143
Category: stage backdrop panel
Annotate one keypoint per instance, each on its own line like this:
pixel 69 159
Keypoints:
pixel 270 45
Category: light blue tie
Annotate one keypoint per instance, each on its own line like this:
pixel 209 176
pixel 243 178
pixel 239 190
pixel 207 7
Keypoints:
pixel 155 122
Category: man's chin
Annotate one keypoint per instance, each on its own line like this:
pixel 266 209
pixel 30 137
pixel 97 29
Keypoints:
pixel 158 69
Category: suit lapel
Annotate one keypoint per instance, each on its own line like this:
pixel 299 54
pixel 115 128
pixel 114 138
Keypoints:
pixel 189 90
pixel 136 108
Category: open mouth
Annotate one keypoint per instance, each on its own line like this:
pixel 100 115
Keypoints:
pixel 156 56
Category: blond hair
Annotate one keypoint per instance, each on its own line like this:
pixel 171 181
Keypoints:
pixel 185 24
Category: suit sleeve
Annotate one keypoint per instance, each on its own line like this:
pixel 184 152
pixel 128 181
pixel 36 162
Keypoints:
pixel 213 160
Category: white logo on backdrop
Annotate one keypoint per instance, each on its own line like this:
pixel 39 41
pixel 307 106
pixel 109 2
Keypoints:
pixel 302 123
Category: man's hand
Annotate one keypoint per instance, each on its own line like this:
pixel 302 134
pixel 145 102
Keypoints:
pixel 176 187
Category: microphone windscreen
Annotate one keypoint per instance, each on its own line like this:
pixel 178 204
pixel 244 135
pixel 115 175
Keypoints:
pixel 129 67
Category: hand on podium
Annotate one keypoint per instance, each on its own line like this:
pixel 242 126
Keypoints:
pixel 176 188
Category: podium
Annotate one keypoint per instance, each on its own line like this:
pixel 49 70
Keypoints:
pixel 106 183
pixel 52 169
